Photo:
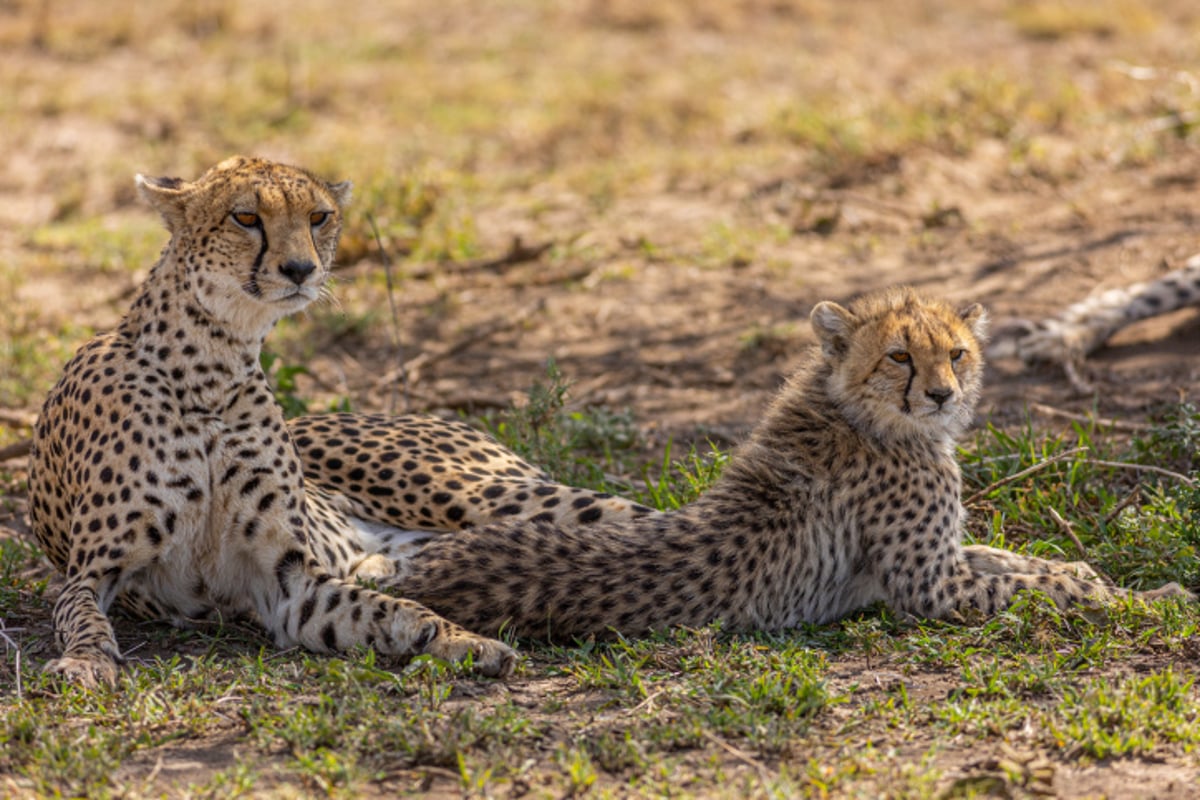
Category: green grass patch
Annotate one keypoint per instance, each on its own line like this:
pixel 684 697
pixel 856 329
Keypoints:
pixel 873 703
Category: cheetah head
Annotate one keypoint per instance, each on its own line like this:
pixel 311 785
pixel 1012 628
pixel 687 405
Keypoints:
pixel 255 239
pixel 902 365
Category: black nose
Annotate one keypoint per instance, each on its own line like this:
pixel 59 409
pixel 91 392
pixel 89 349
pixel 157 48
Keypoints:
pixel 939 396
pixel 297 271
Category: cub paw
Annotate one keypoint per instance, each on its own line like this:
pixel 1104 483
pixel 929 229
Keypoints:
pixel 1167 590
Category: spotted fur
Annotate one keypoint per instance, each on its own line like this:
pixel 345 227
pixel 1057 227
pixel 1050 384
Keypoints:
pixel 847 493
pixel 423 473
pixel 162 474
pixel 1085 326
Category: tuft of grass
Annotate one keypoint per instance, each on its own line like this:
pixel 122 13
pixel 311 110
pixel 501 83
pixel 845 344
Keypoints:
pixel 284 385
pixel 582 448
pixel 34 354
pixel 1128 716
pixel 1091 501
pixel 681 481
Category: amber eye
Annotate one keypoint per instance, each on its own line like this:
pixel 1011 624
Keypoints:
pixel 246 219
pixel 957 353
pixel 318 218
pixel 900 357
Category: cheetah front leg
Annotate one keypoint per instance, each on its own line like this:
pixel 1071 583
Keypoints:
pixel 945 594
pixel 84 634
pixel 983 560
pixel 96 572
pixel 994 561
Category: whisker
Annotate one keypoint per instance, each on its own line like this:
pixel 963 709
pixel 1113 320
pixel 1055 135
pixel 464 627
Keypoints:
pixel 325 296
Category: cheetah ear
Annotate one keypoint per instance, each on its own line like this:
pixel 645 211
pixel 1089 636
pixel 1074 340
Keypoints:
pixel 342 192
pixel 976 317
pixel 166 196
pixel 833 325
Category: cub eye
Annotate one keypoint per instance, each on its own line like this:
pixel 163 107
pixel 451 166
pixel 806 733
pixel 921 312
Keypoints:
pixel 900 357
pixel 957 353
pixel 246 219
pixel 318 218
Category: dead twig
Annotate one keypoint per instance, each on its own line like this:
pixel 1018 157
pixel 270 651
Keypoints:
pixel 1103 422
pixel 764 773
pixel 793 190
pixel 1016 476
pixel 1129 500
pixel 9 642
pixel 414 365
pixel 574 275
pixel 518 253
pixel 17 419
pixel 16 450
pixel 1184 479
pixel 1066 528
pixel 397 345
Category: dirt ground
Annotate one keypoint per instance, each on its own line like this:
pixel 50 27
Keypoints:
pixel 636 301
pixel 675 278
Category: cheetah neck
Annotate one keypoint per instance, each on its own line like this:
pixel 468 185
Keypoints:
pixel 806 436
pixel 201 358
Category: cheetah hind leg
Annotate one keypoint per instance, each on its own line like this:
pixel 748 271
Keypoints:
pixel 388 548
pixel 326 614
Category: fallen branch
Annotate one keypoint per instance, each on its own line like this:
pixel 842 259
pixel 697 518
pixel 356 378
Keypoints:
pixel 1016 476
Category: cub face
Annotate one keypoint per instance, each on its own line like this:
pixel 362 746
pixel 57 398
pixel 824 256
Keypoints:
pixel 903 365
pixel 257 238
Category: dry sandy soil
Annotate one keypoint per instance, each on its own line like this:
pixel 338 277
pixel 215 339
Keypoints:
pixel 679 273
pixel 655 195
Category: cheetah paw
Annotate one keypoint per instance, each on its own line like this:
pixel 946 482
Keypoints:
pixel 1167 590
pixel 490 657
pixel 88 671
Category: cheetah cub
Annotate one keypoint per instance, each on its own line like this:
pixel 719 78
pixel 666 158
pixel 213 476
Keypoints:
pixel 162 474
pixel 847 493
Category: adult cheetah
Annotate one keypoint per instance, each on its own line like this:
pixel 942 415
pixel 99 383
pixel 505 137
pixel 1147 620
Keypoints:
pixel 162 474
pixel 846 493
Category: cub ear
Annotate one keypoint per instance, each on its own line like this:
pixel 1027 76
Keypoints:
pixel 341 191
pixel 976 317
pixel 166 196
pixel 833 326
